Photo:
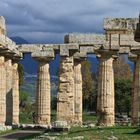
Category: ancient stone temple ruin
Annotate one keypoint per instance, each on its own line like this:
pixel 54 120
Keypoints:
pixel 118 39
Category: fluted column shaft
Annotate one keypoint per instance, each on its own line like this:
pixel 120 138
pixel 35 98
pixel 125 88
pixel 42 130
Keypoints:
pixel 15 94
pixel 105 98
pixel 2 91
pixel 136 92
pixel 65 104
pixel 43 101
pixel 78 91
pixel 9 100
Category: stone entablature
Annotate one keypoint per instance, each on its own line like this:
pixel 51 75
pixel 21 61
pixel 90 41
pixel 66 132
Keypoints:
pixel 85 39
pixel 63 49
pixel 7 46
pixel 120 24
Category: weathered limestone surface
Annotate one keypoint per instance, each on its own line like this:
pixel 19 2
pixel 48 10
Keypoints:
pixel 2 25
pixel 85 38
pixel 122 40
pixel 105 97
pixel 135 92
pixel 67 49
pixel 29 48
pixel 43 101
pixel 9 96
pixel 65 103
pixel 44 54
pixel 2 91
pixel 78 91
pixel 120 23
pixel 15 94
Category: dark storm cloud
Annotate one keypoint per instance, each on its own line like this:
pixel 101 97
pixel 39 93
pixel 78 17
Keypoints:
pixel 48 20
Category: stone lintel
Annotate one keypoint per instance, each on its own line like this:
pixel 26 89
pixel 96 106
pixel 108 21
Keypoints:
pixel 68 49
pixel 85 38
pixel 55 47
pixel 88 48
pixel 120 23
pixel 124 50
pixel 110 47
pixel 121 40
pixel 29 48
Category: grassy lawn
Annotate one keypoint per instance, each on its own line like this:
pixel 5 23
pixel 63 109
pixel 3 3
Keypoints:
pixel 89 118
pixel 122 133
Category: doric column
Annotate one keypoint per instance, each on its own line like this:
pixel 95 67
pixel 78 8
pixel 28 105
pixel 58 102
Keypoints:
pixel 43 101
pixel 135 104
pixel 65 103
pixel 78 91
pixel 15 94
pixel 43 92
pixel 2 91
pixel 9 100
pixel 105 97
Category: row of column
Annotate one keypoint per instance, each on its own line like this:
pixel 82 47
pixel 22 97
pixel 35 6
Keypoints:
pixel 69 103
pixel 9 92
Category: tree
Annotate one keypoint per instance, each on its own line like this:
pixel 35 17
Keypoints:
pixel 123 88
pixel 122 69
pixel 23 98
pixel 88 86
pixel 123 85
pixel 21 74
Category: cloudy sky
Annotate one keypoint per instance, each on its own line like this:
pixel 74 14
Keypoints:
pixel 47 21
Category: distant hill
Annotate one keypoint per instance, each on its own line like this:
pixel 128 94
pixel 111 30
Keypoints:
pixel 19 40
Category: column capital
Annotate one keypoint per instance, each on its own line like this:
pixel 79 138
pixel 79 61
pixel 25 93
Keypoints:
pixel 43 56
pixel 106 53
pixel 132 57
pixel 79 57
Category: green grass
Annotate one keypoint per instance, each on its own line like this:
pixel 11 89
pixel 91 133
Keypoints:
pixel 89 118
pixel 122 133
pixel 25 118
